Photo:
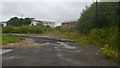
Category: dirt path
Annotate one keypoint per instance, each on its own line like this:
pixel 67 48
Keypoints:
pixel 42 51
pixel 25 43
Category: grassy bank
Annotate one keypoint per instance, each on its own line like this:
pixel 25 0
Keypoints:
pixel 10 39
pixel 106 38
pixel 25 29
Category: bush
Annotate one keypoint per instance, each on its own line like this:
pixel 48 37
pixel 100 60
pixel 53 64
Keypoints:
pixel 61 30
pixel 110 52
pixel 10 39
pixel 107 38
pixel 25 29
pixel 97 36
pixel 8 29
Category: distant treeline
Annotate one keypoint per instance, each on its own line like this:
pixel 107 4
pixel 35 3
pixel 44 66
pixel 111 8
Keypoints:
pixel 99 15
pixel 18 21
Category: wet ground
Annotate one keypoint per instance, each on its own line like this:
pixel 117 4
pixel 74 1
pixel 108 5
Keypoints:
pixel 51 52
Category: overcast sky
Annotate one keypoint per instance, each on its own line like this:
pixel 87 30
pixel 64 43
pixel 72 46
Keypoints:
pixel 58 11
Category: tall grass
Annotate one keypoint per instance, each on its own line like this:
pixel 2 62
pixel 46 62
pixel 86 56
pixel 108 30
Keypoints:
pixel 25 29
pixel 10 39
pixel 106 38
pixel 60 30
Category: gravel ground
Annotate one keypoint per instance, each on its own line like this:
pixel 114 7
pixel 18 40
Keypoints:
pixel 40 51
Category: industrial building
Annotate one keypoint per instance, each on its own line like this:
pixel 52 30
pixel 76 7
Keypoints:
pixel 44 22
pixel 68 24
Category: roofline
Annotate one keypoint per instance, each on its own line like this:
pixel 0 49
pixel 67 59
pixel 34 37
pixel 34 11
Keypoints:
pixel 44 20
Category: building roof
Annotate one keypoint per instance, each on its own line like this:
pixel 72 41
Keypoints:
pixel 2 22
pixel 44 20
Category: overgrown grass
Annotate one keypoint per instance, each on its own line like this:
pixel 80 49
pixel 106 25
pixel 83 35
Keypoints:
pixel 25 29
pixel 10 39
pixel 60 30
pixel 106 38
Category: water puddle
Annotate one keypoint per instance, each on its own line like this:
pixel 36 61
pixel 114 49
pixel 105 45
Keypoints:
pixel 2 51
pixel 12 57
pixel 67 46
pixel 56 44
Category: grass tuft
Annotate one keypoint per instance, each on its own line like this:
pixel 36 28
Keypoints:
pixel 10 39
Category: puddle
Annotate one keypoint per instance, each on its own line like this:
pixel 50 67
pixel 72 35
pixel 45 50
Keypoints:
pixel 59 55
pixel 56 44
pixel 67 46
pixel 15 57
pixel 47 43
pixel 55 47
pixel 5 51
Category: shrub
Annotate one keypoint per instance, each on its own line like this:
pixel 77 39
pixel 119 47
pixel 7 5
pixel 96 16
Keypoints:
pixel 24 29
pixel 107 38
pixel 110 52
pixel 97 36
pixel 10 39
pixel 8 29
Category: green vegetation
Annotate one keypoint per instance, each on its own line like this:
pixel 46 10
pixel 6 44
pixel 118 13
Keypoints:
pixel 95 26
pixel 0 39
pixel 99 28
pixel 18 22
pixel 60 30
pixel 25 29
pixel 107 39
pixel 10 39
pixel 105 15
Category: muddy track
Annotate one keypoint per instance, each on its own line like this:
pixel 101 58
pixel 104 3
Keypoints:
pixel 42 51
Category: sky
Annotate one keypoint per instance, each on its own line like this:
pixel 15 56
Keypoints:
pixel 58 11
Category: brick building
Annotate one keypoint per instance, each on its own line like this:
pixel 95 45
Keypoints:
pixel 68 24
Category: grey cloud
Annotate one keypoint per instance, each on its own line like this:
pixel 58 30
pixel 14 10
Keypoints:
pixel 58 11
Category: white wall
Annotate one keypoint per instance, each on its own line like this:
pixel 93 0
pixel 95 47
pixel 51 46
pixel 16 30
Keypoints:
pixel 50 23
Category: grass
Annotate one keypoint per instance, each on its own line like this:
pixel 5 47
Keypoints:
pixel 10 39
pixel 25 29
pixel 77 38
pixel 107 39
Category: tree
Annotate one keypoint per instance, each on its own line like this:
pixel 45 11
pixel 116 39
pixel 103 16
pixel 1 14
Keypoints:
pixel 13 21
pixel 21 21
pixel 47 26
pixel 100 16
pixel 18 22
pixel 40 23
pixel 27 21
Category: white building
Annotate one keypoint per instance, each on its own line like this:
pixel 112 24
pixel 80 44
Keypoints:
pixel 3 24
pixel 44 22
